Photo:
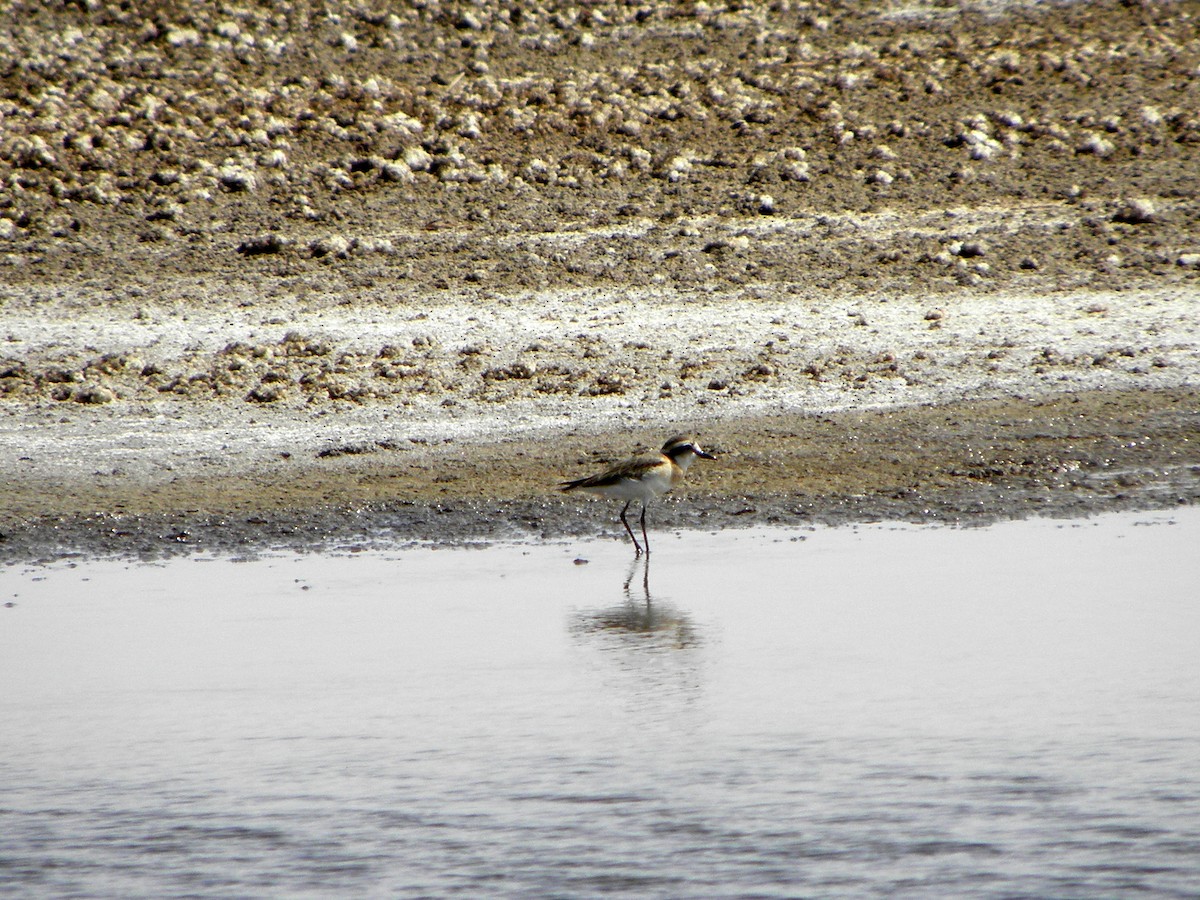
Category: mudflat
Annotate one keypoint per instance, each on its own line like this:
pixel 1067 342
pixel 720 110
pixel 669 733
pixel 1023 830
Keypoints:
pixel 294 274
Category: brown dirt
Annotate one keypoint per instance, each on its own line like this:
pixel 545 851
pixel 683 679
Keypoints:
pixel 292 158
pixel 143 138
pixel 967 463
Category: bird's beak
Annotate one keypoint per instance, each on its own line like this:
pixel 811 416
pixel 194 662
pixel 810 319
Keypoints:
pixel 703 455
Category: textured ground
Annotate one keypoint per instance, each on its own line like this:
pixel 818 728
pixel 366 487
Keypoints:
pixel 301 269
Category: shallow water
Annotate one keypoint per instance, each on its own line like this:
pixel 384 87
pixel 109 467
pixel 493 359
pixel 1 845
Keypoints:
pixel 900 711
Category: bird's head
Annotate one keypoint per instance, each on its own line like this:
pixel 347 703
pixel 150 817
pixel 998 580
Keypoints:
pixel 683 451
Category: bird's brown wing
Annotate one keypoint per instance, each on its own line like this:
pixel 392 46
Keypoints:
pixel 629 468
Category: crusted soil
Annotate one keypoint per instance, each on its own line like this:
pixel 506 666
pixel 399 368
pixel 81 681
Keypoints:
pixel 287 272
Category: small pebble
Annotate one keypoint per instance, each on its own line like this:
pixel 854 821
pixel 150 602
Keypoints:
pixel 1139 211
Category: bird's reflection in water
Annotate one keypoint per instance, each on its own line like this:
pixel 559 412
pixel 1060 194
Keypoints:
pixel 640 620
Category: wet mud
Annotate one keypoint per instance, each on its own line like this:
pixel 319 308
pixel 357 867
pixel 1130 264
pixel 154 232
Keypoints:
pixel 965 463
pixel 323 275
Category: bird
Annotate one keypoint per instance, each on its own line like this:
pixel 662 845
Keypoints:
pixel 642 478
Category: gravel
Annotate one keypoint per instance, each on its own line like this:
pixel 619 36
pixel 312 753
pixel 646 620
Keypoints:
pixel 233 238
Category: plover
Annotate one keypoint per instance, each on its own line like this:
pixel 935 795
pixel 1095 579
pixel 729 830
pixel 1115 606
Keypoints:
pixel 642 478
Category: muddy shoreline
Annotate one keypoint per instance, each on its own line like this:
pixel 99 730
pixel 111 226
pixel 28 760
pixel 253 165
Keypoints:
pixel 965 463
pixel 318 275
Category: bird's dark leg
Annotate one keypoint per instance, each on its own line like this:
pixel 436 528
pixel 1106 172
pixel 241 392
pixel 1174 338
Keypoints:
pixel 636 546
pixel 645 539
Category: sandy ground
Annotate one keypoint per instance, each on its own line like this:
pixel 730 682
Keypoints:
pixel 290 274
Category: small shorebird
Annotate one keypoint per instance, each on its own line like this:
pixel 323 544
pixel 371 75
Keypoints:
pixel 642 478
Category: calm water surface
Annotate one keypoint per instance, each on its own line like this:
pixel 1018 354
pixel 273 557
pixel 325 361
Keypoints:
pixel 901 711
